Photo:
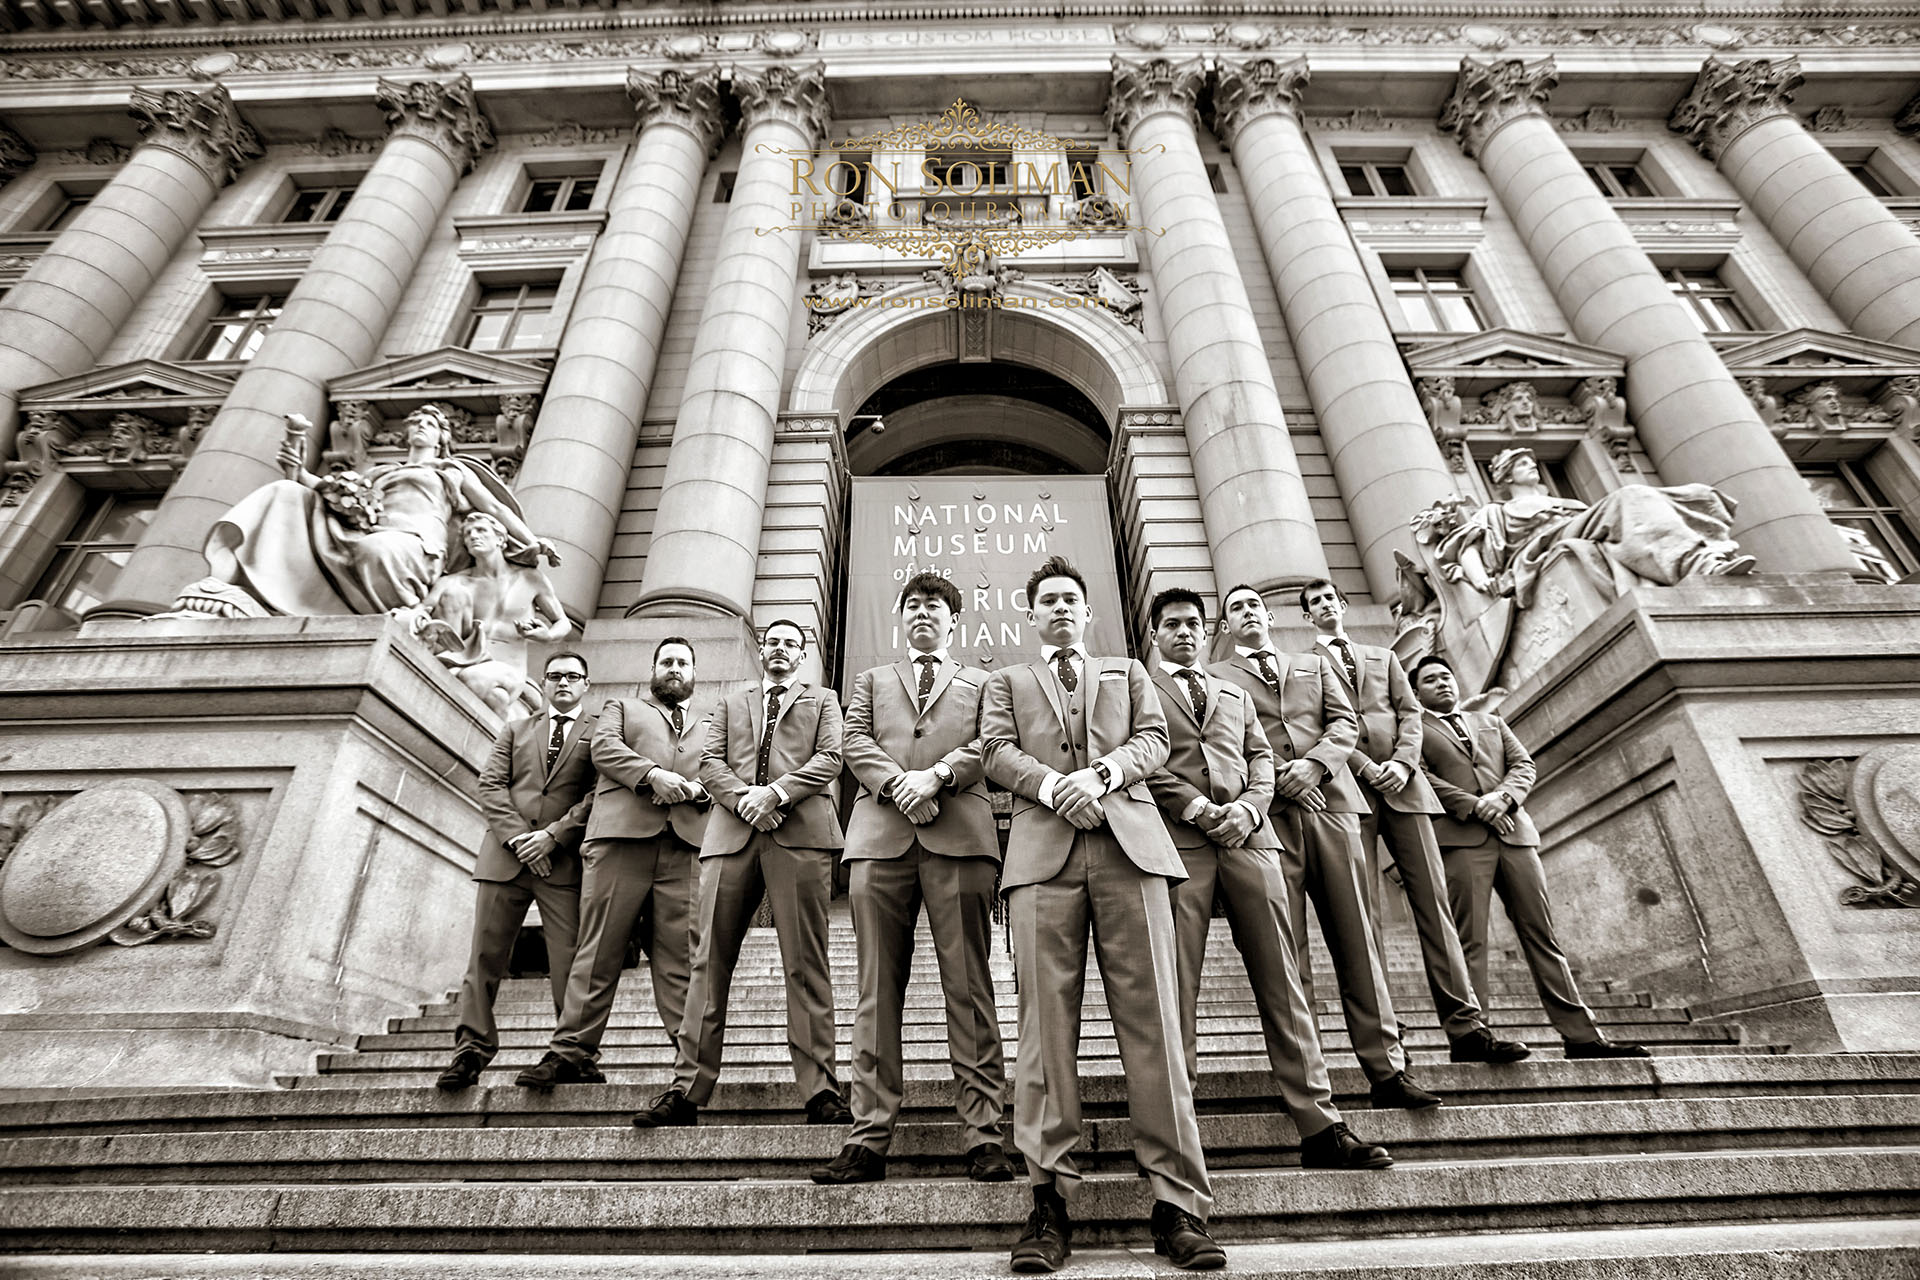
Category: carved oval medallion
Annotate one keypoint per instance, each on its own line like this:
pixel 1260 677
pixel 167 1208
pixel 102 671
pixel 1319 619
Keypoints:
pixel 1885 795
pixel 101 857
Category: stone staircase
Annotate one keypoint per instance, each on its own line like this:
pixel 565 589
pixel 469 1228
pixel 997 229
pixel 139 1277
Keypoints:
pixel 1715 1158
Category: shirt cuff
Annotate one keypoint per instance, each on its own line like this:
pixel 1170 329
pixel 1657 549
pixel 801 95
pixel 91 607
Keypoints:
pixel 1193 809
pixel 1252 812
pixel 1047 785
pixel 784 801
pixel 1114 776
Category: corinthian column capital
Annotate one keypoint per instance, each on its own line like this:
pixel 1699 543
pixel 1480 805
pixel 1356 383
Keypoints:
pixel 1728 98
pixel 689 99
pixel 797 95
pixel 1254 88
pixel 1156 87
pixel 16 155
pixel 1491 94
pixel 202 126
pixel 443 112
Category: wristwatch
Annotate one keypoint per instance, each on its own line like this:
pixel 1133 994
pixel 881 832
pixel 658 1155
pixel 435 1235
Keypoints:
pixel 945 771
pixel 1106 771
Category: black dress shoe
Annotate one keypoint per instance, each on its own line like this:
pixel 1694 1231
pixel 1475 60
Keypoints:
pixel 988 1163
pixel 670 1109
pixel 1335 1147
pixel 855 1163
pixel 1481 1045
pixel 1398 1092
pixel 827 1107
pixel 1605 1049
pixel 463 1072
pixel 1183 1239
pixel 552 1069
pixel 1047 1242
pixel 587 1071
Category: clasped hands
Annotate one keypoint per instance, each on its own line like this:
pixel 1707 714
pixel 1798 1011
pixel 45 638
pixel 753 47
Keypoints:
pixel 916 793
pixel 671 788
pixel 535 850
pixel 1387 778
pixel 1076 797
pixel 1493 809
pixel 1299 781
pixel 760 807
pixel 1226 824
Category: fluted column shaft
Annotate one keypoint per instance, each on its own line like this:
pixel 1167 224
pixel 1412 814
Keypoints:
pixel 706 532
pixel 331 324
pixel 1253 501
pixel 62 314
pixel 574 478
pixel 1693 419
pixel 1862 258
pixel 1383 453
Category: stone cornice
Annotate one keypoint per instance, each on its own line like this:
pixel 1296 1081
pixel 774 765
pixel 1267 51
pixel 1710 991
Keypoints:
pixel 688 99
pixel 1251 88
pixel 1728 98
pixel 16 155
pixel 1491 94
pixel 443 112
pixel 797 95
pixel 202 126
pixel 1155 87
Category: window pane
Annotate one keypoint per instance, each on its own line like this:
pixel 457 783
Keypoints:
pixel 541 195
pixel 1729 314
pixel 1830 491
pixel 1356 179
pixel 530 330
pixel 125 520
pixel 89 584
pixel 487 331
pixel 339 204
pixel 1631 184
pixel 1862 484
pixel 538 293
pixel 1599 178
pixel 1867 179
pixel 1393 180
pixel 67 212
pixel 307 206
pixel 582 194
pixel 223 340
pixel 1457 313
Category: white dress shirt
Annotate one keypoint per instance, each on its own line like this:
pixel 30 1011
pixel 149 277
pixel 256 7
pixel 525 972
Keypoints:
pixel 1080 660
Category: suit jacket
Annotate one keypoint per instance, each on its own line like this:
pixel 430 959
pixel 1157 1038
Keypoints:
pixel 1499 763
pixel 1224 759
pixel 887 735
pixel 518 794
pixel 1389 723
pixel 1311 719
pixel 807 738
pixel 635 737
pixel 1025 733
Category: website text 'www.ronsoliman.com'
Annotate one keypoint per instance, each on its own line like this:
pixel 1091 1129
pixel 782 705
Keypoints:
pixel 962 301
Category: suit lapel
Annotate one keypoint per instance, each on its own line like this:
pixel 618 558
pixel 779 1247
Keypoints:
pixel 1093 668
pixel 791 696
pixel 1175 692
pixel 942 677
pixel 757 712
pixel 909 679
pixel 567 743
pixel 1050 686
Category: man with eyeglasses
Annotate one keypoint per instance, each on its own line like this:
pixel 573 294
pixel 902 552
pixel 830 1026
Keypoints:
pixel 536 791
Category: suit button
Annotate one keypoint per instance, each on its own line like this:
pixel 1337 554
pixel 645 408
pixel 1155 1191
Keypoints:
pixel 1203 771
pixel 919 733
pixel 1065 747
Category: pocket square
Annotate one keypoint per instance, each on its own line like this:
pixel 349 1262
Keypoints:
pixel 1113 675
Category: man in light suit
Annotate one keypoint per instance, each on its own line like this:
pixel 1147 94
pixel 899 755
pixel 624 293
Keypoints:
pixel 535 790
pixel 1214 793
pixel 922 829
pixel 1386 760
pixel 1483 775
pixel 773 749
pixel 1312 729
pixel 1074 737
pixel 649 812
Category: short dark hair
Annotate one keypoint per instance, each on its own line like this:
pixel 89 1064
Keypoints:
pixel 1431 660
pixel 1055 567
pixel 566 653
pixel 1175 595
pixel 929 584
pixel 784 622
pixel 1321 582
pixel 1236 589
pixel 682 641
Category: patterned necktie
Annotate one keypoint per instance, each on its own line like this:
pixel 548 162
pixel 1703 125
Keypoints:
pixel 1345 650
pixel 558 740
pixel 766 735
pixel 1196 692
pixel 1063 663
pixel 1458 724
pixel 679 724
pixel 927 665
pixel 1264 659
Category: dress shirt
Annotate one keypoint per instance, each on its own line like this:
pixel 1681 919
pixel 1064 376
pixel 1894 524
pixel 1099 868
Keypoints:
pixel 1081 660
pixel 1198 803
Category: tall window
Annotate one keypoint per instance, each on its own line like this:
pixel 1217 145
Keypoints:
pixel 65 209
pixel 510 317
pixel 1620 181
pixel 970 172
pixel 1853 501
pixel 1376 177
pixel 318 204
pixel 1436 298
pixel 1714 305
pixel 239 327
pixel 560 195
pixel 1863 172
pixel 91 556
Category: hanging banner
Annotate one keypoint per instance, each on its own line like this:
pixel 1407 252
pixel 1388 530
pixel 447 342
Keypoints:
pixel 986 534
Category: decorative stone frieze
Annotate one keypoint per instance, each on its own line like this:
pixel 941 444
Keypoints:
pixel 689 99
pixel 203 127
pixel 443 112
pixel 16 155
pixel 1728 98
pixel 1831 119
pixel 1142 89
pixel 797 95
pixel 1488 95
pixel 1595 119
pixel 1255 87
pixel 1604 410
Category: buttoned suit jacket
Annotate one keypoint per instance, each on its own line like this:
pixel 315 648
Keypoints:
pixel 1390 718
pixel 1499 763
pixel 1310 720
pixel 635 737
pixel 1222 759
pixel 887 734
pixel 1025 732
pixel 519 794
pixel 808 738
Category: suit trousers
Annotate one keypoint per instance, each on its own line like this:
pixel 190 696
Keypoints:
pixel 1473 876
pixel 1409 840
pixel 619 879
pixel 1130 914
pixel 958 892
pixel 500 908
pixel 1324 862
pixel 797 883
pixel 1254 888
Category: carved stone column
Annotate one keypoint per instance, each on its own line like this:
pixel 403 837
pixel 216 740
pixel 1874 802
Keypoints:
pixel 1382 449
pixel 332 323
pixel 575 474
pixel 1260 526
pixel 706 532
pixel 1694 421
pixel 16 155
pixel 58 319
pixel 1857 253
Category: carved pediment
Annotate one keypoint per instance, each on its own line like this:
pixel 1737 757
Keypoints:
pixel 143 386
pixel 1481 362
pixel 474 380
pixel 1801 356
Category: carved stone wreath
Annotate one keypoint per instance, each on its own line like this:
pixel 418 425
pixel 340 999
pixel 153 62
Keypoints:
pixel 1869 811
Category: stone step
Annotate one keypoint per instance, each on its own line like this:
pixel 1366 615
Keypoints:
pixel 920 1150
pixel 1416 1196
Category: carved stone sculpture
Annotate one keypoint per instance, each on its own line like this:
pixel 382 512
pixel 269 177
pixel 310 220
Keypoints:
pixel 1442 407
pixel 1901 400
pixel 1767 405
pixel 1599 401
pixel 350 435
pixel 1097 213
pixel 1865 809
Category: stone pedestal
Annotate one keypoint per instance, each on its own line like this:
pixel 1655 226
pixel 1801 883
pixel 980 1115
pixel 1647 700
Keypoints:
pixel 1674 737
pixel 334 754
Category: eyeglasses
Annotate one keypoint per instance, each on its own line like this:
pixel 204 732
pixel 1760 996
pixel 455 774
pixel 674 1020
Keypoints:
pixel 567 677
